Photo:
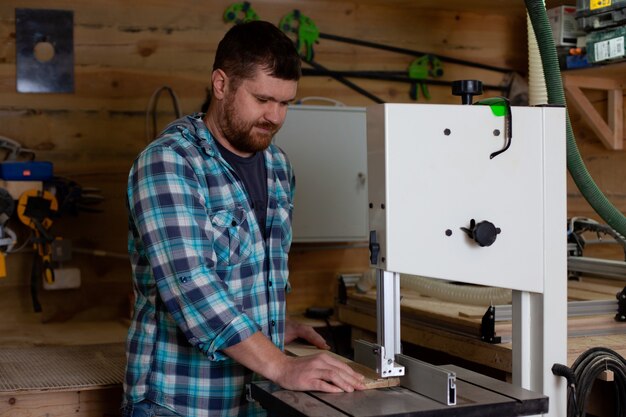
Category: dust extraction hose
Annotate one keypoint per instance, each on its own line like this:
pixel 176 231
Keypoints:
pixel 448 291
pixel 444 290
pixel 556 95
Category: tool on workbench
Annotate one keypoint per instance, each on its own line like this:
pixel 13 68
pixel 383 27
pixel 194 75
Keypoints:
pixel 462 137
pixel 578 226
pixel 240 13
pixel 578 231
pixel 423 195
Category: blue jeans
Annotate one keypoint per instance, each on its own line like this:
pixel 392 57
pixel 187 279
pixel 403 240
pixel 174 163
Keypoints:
pixel 147 408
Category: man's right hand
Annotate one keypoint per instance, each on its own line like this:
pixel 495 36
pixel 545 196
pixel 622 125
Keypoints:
pixel 319 372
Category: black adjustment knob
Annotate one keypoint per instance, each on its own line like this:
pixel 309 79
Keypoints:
pixel 467 89
pixel 484 233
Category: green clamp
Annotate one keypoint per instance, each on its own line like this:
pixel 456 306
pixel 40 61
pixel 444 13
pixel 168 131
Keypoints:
pixel 232 13
pixel 306 32
pixel 422 68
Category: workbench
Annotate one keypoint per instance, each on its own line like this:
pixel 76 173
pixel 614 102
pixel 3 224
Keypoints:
pixel 477 396
pixel 454 329
pixel 80 380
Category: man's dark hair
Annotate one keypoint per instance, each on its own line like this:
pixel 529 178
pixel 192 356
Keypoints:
pixel 246 47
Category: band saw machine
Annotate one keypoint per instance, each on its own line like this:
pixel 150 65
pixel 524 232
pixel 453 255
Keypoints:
pixel 452 190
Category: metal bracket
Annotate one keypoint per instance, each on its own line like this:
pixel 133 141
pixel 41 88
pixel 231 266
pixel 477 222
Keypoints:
pixel 382 356
pixel 606 268
pixel 488 327
pixel 421 377
pixel 388 322
pixel 376 357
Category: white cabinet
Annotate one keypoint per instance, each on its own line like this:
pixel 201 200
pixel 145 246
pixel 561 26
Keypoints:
pixel 327 147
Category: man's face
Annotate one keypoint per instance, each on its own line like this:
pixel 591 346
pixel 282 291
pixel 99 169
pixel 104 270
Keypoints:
pixel 255 111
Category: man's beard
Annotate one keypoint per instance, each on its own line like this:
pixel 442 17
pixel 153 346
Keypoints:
pixel 239 133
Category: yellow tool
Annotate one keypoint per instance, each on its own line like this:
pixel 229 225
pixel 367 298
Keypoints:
pixel 35 209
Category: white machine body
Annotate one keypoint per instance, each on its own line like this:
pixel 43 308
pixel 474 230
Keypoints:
pixel 430 168
pixel 430 174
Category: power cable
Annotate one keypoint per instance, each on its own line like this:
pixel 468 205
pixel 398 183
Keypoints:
pixel 585 372
pixel 151 111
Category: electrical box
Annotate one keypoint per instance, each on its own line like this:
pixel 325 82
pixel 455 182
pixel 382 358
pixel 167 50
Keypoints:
pixel 564 25
pixel 606 45
pixel 599 14
pixel 327 148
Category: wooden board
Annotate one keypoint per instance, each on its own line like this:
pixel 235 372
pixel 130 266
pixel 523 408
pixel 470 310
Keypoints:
pixel 372 380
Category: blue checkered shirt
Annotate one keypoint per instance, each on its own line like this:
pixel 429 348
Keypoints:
pixel 204 278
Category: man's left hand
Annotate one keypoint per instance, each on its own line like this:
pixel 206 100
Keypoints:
pixel 294 330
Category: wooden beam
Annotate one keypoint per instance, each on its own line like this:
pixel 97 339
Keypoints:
pixel 616 115
pixel 612 133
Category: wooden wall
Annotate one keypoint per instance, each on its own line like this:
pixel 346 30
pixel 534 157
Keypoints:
pixel 124 51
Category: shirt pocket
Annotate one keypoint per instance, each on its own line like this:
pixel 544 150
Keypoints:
pixel 283 216
pixel 232 242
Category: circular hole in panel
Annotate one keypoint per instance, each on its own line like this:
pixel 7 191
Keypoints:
pixel 44 51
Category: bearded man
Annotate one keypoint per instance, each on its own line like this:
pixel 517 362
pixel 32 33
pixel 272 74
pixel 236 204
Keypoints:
pixel 210 205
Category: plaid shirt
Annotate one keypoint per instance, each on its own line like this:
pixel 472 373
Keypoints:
pixel 204 278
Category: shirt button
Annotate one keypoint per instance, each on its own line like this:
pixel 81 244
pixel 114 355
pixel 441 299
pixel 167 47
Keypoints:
pixel 183 279
pixel 234 223
pixel 273 323
pixel 269 283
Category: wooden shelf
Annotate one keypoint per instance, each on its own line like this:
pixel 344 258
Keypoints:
pixel 615 72
pixel 610 78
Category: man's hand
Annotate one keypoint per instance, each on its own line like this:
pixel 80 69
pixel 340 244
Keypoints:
pixel 294 330
pixel 319 372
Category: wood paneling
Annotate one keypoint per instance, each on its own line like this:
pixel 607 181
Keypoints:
pixel 86 403
pixel 124 51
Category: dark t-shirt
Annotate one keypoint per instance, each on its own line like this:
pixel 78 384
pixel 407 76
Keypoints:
pixel 253 173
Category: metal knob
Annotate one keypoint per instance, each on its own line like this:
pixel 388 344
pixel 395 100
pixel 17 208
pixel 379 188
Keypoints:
pixel 484 233
pixel 467 89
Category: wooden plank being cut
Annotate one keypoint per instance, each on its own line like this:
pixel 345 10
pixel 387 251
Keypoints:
pixel 372 380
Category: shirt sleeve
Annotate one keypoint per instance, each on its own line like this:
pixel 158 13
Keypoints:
pixel 171 221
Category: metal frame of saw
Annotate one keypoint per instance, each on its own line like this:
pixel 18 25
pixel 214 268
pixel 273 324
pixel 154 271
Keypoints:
pixel 386 356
